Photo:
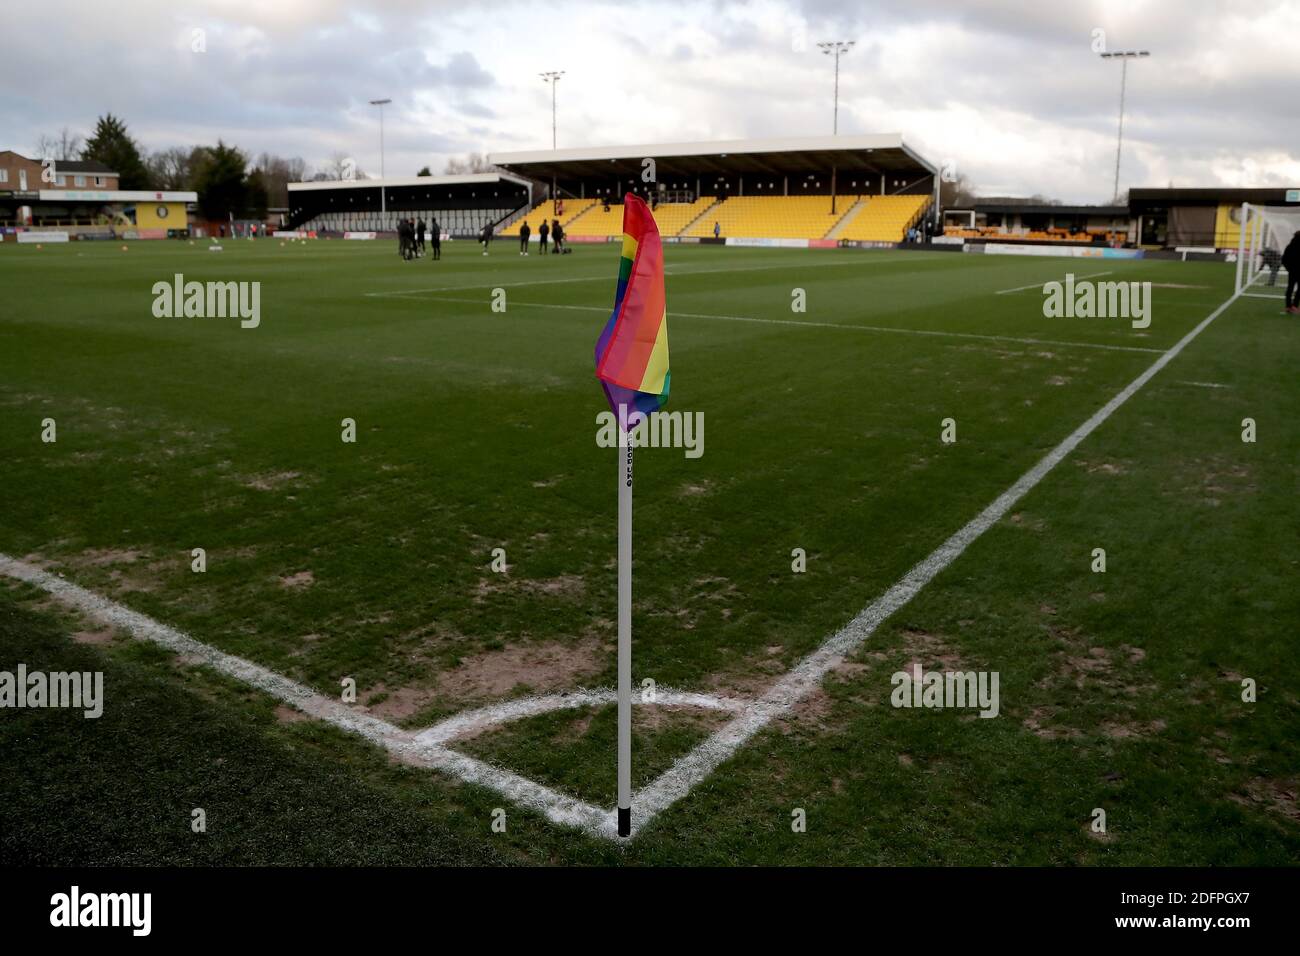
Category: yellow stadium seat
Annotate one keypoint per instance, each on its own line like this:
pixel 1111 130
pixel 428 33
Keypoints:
pixel 880 219
pixel 885 218
pixel 773 217
pixel 671 218
pixel 573 208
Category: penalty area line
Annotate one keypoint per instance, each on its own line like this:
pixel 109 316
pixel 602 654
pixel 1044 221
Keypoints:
pixel 1039 285
pixel 604 276
pixel 844 326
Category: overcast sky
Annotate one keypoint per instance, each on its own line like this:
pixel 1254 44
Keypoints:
pixel 1012 92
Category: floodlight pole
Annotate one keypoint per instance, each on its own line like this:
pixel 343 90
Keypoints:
pixel 383 203
pixel 836 47
pixel 1123 56
pixel 553 77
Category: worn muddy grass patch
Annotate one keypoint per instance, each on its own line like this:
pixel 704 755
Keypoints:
pixel 511 670
pixel 118 572
pixel 1211 481
pixel 574 751
pixel 1279 799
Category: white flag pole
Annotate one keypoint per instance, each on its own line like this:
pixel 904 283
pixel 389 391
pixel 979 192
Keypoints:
pixel 624 633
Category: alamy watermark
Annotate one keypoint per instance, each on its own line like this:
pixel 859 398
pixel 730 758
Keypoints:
pixel 75 690
pixel 662 430
pixel 1098 300
pixel 208 300
pixel 939 690
pixel 75 908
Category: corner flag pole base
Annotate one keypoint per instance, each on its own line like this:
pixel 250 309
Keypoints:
pixel 624 821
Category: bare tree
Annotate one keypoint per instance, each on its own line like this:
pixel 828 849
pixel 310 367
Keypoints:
pixel 174 168
pixel 66 146
pixel 472 163
pixel 958 193
pixel 276 174
pixel 341 166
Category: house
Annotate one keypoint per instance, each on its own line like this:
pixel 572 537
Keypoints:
pixel 20 174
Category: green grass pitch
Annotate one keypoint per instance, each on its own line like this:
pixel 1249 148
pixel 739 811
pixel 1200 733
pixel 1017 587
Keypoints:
pixel 476 430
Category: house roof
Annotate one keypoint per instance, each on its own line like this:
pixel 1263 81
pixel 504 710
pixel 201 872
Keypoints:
pixel 83 166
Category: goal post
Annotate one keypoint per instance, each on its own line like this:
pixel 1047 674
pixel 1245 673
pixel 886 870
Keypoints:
pixel 1265 233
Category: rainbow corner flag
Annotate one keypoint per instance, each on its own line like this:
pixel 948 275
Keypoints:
pixel 632 351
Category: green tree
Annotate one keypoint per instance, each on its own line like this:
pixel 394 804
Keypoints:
pixel 277 172
pixel 221 182
pixel 257 191
pixel 424 171
pixel 113 146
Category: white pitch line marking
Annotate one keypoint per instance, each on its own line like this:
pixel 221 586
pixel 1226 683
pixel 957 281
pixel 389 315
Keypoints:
pixel 604 276
pixel 470 721
pixel 687 771
pixel 1039 285
pixel 832 325
pixel 805 676
pixel 555 806
pixel 1204 384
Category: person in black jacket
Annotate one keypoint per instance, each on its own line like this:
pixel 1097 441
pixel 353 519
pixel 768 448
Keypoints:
pixel 419 236
pixel 542 232
pixel 405 239
pixel 435 239
pixel 524 232
pixel 1291 259
pixel 557 236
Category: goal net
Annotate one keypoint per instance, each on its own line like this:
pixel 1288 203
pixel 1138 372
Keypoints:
pixel 1265 233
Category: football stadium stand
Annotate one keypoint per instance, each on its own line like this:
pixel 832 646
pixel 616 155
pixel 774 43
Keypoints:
pixel 865 218
pixel 769 189
pixel 1035 235
pixel 570 209
pixel 595 221
pixel 671 218
pixel 823 189
pixel 462 205
pixel 772 217
pixel 882 218
pixel 1033 221
pixel 462 223
pixel 674 217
